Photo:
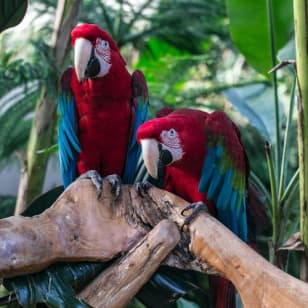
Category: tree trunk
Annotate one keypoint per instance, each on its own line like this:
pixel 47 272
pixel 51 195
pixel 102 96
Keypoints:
pixel 41 136
pixel 44 121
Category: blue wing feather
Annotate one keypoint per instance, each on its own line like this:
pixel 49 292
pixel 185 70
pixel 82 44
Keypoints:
pixel 69 146
pixel 221 180
pixel 207 169
pixel 226 190
pixel 214 185
pixel 141 105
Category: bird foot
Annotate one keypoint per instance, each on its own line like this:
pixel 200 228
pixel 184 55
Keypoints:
pixel 142 188
pixel 196 207
pixel 96 179
pixel 116 184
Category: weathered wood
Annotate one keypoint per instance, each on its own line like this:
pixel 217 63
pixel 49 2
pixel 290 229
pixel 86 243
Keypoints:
pixel 81 227
pixel 77 227
pixel 259 283
pixel 117 285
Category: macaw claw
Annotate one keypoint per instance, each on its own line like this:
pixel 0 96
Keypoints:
pixel 116 184
pixel 142 188
pixel 96 179
pixel 196 207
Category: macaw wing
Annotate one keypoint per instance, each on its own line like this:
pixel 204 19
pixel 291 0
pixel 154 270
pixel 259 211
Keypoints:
pixel 224 169
pixel 140 105
pixel 68 141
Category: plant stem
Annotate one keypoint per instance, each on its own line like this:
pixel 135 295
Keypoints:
pixel 275 85
pixel 290 187
pixel 262 188
pixel 301 40
pixel 286 143
pixel 275 207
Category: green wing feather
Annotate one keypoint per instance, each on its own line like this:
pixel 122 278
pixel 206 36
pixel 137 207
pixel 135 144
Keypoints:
pixel 224 171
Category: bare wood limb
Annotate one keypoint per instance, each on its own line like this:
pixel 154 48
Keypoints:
pixel 81 227
pixel 77 227
pixel 118 284
pixel 259 283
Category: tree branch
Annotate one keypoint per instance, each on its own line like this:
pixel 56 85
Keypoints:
pixel 118 284
pixel 79 226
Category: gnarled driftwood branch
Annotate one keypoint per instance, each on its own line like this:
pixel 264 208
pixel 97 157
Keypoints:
pixel 80 226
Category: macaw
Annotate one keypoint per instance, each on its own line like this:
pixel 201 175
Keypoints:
pixel 101 106
pixel 204 160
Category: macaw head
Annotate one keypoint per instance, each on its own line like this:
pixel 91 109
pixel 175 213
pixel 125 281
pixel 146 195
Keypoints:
pixel 176 139
pixel 94 51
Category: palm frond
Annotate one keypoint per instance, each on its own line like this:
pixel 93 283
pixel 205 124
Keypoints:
pixel 15 124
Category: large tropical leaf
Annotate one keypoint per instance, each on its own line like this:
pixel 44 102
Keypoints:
pixel 15 113
pixel 250 32
pixel 55 286
pixel 7 205
pixel 255 102
pixel 11 12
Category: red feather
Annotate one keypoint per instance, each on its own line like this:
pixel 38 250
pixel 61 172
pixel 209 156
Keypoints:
pixel 182 177
pixel 91 32
pixel 103 110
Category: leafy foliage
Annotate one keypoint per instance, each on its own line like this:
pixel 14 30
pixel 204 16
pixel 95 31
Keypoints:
pixel 23 81
pixel 7 205
pixel 181 23
pixel 273 28
pixel 14 137
pixel 250 25
pixel 12 12
pixel 55 286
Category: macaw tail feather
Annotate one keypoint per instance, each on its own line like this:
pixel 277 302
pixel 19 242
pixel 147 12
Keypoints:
pixel 256 213
pixel 224 292
pixel 140 115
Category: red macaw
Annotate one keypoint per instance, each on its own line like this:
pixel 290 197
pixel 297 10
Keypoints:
pixel 101 107
pixel 204 160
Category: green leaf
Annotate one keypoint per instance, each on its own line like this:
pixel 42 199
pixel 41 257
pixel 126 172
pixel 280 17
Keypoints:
pixel 56 285
pixel 183 303
pixel 255 102
pixel 11 12
pixel 43 202
pixel 52 149
pixel 250 31
pixel 7 205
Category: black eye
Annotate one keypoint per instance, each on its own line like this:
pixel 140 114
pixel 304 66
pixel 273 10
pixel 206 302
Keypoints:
pixel 105 44
pixel 171 133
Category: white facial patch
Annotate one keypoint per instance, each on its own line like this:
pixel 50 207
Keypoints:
pixel 171 142
pixel 103 53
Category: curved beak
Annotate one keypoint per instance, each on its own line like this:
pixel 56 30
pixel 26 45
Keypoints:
pixel 82 55
pixel 150 155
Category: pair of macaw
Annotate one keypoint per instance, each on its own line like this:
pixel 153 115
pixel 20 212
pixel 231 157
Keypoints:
pixel 102 106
